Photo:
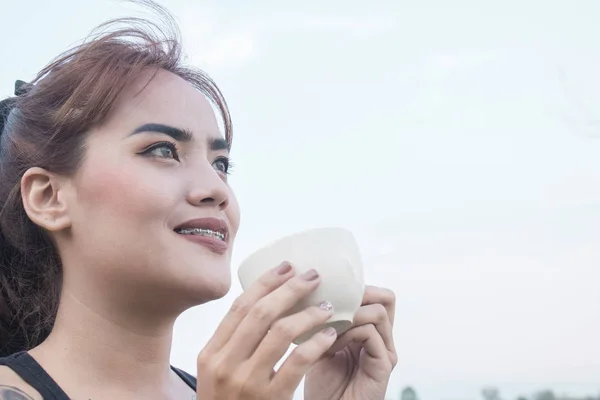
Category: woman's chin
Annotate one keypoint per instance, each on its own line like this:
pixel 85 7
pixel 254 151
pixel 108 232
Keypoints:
pixel 206 291
pixel 218 291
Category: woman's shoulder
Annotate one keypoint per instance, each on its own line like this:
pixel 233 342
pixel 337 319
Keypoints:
pixel 12 386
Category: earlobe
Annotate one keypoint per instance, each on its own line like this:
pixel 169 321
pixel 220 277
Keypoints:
pixel 44 200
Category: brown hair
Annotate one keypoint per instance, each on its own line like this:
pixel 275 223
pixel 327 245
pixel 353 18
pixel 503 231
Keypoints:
pixel 46 127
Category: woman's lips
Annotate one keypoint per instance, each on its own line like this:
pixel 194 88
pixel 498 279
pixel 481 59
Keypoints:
pixel 212 233
pixel 215 245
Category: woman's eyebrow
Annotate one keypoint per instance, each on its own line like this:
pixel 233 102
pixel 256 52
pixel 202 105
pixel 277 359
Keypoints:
pixel 217 144
pixel 181 135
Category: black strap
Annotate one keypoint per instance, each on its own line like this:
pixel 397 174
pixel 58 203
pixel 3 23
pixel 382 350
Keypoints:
pixel 34 374
pixel 190 380
pixel 31 372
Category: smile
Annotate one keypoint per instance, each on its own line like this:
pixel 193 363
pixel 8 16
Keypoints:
pixel 201 232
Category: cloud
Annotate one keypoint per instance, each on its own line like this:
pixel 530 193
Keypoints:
pixel 461 59
pixel 361 26
pixel 228 50
pixel 213 46
pixel 217 42
pixel 357 26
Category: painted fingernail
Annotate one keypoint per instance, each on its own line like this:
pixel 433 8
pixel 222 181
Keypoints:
pixel 327 306
pixel 310 275
pixel 330 331
pixel 284 268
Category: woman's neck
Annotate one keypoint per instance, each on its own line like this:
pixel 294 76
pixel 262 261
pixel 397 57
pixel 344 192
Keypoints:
pixel 93 343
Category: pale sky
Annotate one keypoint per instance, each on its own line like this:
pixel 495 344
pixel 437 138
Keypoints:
pixel 461 144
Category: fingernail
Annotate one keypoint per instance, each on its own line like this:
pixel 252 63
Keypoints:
pixel 310 275
pixel 330 331
pixel 284 268
pixel 327 306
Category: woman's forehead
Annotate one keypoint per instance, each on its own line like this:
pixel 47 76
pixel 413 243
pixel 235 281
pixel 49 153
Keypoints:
pixel 164 97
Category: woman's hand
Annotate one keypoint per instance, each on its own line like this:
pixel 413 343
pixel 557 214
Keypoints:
pixel 359 364
pixel 238 361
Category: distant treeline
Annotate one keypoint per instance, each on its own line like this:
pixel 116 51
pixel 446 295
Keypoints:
pixel 492 393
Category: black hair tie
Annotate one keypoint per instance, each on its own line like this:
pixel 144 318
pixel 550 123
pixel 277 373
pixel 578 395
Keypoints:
pixel 22 87
pixel 6 105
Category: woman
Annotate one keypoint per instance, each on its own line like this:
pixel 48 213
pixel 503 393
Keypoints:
pixel 117 216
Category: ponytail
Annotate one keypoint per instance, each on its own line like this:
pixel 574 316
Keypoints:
pixel 29 280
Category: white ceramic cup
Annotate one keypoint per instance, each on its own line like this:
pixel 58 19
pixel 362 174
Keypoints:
pixel 334 253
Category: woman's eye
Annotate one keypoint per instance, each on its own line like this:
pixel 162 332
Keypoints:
pixel 222 165
pixel 162 150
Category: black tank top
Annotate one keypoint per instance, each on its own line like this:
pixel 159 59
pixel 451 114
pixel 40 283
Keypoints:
pixel 31 372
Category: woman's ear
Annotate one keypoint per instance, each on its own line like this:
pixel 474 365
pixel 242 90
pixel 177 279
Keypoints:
pixel 43 195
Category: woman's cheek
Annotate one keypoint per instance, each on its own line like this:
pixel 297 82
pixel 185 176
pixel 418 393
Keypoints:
pixel 127 189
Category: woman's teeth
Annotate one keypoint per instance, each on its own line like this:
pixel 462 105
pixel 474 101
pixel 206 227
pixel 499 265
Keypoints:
pixel 202 232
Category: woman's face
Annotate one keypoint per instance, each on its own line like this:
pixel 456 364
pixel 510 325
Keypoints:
pixel 151 211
